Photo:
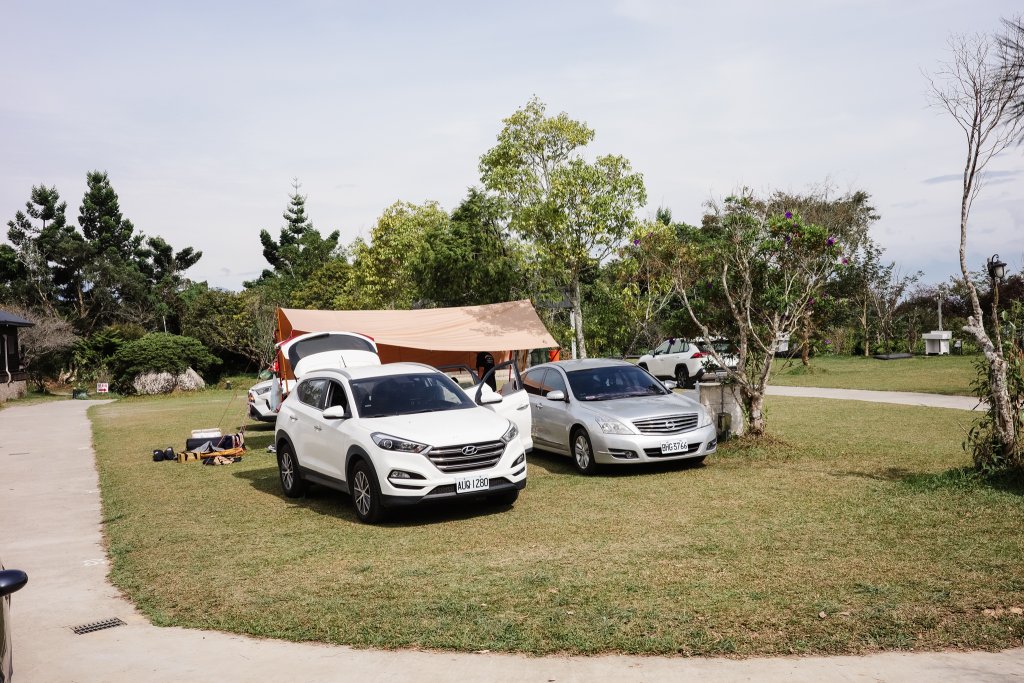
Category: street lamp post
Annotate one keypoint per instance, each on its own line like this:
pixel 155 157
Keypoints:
pixel 996 271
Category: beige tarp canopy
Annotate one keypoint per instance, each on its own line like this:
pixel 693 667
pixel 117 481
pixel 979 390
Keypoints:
pixel 437 336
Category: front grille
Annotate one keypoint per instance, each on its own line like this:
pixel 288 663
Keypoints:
pixel 656 452
pixel 668 424
pixel 455 458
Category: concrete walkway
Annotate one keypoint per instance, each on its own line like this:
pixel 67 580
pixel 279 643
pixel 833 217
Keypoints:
pixel 50 526
pixel 906 398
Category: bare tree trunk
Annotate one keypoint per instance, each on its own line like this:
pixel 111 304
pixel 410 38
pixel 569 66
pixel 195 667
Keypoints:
pixel 755 410
pixel 805 345
pixel 980 93
pixel 864 326
pixel 577 307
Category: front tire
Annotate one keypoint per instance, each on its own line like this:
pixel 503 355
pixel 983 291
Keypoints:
pixel 365 491
pixel 583 452
pixel 292 482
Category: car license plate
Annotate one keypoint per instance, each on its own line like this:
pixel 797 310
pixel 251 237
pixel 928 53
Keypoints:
pixel 471 484
pixel 674 447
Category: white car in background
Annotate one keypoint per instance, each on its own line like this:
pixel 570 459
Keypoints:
pixel 687 362
pixel 259 402
pixel 398 434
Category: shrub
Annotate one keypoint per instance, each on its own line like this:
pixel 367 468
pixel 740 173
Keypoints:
pixel 159 352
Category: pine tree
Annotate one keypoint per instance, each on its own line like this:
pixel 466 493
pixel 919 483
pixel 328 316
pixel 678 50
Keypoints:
pixel 300 250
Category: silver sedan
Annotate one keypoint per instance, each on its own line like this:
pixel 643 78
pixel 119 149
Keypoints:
pixel 603 411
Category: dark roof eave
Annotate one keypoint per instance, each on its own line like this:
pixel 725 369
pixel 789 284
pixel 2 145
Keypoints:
pixel 11 320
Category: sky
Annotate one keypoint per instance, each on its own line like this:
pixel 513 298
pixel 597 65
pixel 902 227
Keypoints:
pixel 203 113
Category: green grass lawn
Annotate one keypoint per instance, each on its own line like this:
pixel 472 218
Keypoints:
pixel 854 530
pixel 928 374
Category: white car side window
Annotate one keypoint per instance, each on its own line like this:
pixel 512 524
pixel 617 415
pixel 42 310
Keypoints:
pixel 662 348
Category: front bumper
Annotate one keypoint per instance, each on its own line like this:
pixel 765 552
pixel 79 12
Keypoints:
pixel 623 449
pixel 507 475
pixel 263 413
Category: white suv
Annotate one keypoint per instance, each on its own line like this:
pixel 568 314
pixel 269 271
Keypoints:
pixel 687 361
pixel 397 434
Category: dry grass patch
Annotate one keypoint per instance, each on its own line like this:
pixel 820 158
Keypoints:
pixel 856 512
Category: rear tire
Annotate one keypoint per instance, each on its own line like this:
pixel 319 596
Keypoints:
pixel 292 482
pixel 582 452
pixel 365 492
pixel 683 377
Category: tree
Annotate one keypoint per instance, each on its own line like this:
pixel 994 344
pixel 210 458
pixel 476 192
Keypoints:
pixel 1011 43
pixel 164 269
pixel 110 285
pixel 979 91
pixel 575 213
pixel 469 260
pixel 847 218
pixel 325 288
pixel 39 236
pixel 382 274
pixel 232 323
pixel 645 288
pixel 887 291
pixel 751 274
pixel 300 249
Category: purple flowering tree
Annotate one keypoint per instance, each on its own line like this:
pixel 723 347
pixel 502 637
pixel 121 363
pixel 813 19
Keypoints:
pixel 751 274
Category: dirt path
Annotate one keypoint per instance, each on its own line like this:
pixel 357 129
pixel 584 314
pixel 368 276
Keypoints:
pixel 50 527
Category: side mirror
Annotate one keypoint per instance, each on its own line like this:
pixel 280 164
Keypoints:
pixel 336 413
pixel 12 580
pixel 489 398
pixel 555 395
pixel 670 384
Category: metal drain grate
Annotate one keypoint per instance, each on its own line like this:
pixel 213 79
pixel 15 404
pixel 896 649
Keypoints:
pixel 98 626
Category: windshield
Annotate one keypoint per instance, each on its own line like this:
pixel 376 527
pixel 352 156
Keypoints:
pixel 408 394
pixel 617 381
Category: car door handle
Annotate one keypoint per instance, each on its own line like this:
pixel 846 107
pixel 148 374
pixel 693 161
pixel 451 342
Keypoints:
pixel 292 418
pixel 317 428
pixel 523 407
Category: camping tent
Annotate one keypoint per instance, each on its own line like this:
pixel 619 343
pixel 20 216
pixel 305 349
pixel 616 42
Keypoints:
pixel 436 336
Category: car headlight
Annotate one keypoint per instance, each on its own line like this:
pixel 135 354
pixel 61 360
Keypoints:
pixel 513 432
pixel 394 443
pixel 610 426
pixel 704 418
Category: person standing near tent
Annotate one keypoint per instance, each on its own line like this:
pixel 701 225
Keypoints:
pixel 484 364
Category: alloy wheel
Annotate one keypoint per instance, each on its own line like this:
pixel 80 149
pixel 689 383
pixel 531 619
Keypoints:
pixel 361 489
pixel 581 450
pixel 287 470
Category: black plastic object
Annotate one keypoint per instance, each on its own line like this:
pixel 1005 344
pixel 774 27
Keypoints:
pixel 12 580
pixel 169 454
pixel 158 455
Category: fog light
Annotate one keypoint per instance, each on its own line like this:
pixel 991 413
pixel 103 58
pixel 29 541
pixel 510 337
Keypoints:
pixel 399 474
pixel 520 460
